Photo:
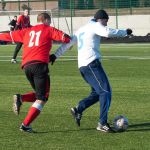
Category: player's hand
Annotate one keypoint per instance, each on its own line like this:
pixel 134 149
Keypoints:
pixel 129 31
pixel 52 58
pixel 66 38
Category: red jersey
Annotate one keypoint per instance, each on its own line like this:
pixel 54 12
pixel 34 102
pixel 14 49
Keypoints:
pixel 37 41
pixel 23 22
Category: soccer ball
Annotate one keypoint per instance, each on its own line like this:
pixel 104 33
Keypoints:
pixel 120 123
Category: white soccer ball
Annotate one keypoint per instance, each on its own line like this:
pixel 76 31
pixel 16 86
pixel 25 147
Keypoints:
pixel 120 123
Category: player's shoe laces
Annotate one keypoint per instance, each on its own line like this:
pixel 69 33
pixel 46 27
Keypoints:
pixel 105 128
pixel 17 102
pixel 13 61
pixel 77 116
pixel 26 128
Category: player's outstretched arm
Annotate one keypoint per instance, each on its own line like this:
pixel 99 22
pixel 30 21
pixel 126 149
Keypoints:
pixel 61 50
pixel 6 37
pixel 15 36
pixel 109 32
pixel 58 35
pixel 119 32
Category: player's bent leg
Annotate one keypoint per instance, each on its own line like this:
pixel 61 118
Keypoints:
pixel 26 128
pixel 84 104
pixel 97 78
pixel 17 102
pixel 17 49
pixel 42 86
pixel 101 84
pixel 19 99
pixel 89 101
pixel 29 97
pixel 76 115
pixel 33 113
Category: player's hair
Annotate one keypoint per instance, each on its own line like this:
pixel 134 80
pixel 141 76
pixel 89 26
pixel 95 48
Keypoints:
pixel 43 16
pixel 101 14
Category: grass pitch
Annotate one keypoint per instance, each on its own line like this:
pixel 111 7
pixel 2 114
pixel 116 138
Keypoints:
pixel 127 66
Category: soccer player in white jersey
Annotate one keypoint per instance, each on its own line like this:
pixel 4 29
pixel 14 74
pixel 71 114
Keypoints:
pixel 88 39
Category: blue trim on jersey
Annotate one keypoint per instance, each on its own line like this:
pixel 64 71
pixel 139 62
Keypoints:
pixel 94 20
pixel 80 45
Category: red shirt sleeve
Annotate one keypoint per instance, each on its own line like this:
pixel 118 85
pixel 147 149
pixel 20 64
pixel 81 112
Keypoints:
pixel 5 37
pixel 59 35
pixel 15 36
pixel 18 23
pixel 19 20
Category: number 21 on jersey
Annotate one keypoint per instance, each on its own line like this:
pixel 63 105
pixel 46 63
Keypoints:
pixel 34 38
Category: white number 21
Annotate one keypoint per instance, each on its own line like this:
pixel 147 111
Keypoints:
pixel 34 40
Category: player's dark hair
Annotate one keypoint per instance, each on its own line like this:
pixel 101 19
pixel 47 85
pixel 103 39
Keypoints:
pixel 43 16
pixel 101 14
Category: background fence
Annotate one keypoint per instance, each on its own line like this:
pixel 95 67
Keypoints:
pixel 78 8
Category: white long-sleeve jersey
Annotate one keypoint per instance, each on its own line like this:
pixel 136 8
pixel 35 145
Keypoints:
pixel 88 39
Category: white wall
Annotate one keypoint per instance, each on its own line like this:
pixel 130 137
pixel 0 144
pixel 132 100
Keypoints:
pixel 139 23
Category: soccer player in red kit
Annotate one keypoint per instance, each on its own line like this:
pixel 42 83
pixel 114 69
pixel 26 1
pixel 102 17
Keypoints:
pixel 22 22
pixel 37 41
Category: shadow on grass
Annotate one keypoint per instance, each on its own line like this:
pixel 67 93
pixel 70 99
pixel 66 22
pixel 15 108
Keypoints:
pixel 63 131
pixel 139 127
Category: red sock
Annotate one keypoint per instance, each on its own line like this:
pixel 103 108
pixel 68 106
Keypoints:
pixel 32 114
pixel 29 97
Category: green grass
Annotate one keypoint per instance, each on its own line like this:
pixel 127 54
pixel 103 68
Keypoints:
pixel 56 129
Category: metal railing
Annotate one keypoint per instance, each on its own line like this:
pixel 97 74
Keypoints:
pixel 79 7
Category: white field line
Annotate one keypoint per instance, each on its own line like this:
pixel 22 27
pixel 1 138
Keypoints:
pixel 109 56
pixel 126 47
pixel 122 44
pixel 74 58
pixel 21 56
pixel 115 45
pixel 19 60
